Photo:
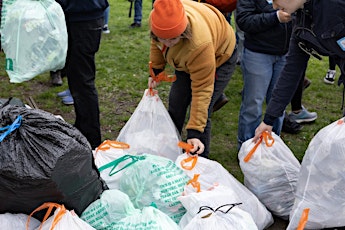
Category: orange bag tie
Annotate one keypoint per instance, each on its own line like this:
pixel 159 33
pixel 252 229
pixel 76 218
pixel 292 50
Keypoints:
pixel 194 182
pixel 107 144
pixel 50 207
pixel 304 218
pixel 269 141
pixel 162 76
pixel 185 163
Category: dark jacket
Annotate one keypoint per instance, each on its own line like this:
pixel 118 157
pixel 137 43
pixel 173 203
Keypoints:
pixel 83 10
pixel 262 30
pixel 318 28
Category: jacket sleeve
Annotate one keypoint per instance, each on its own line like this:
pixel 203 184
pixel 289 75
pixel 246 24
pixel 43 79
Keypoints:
pixel 202 70
pixel 156 56
pixel 293 71
pixel 255 16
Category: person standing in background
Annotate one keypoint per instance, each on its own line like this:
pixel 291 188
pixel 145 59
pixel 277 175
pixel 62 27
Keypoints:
pixel 84 20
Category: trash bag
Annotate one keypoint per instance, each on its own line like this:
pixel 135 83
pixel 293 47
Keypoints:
pixel 44 159
pixel 114 210
pixel 10 221
pixel 150 129
pixel 33 37
pixel 227 216
pixel 271 172
pixel 148 179
pixel 211 172
pixel 321 182
pixel 61 219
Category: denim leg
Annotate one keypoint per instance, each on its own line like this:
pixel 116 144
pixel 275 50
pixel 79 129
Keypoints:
pixel 260 73
pixel 138 5
pixel 106 15
pixel 83 43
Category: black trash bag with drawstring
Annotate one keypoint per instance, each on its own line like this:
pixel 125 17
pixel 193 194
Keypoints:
pixel 44 159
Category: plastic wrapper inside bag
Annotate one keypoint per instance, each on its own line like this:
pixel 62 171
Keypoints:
pixel 33 37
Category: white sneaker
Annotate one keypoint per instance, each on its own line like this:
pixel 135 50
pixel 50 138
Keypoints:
pixel 105 29
pixel 330 76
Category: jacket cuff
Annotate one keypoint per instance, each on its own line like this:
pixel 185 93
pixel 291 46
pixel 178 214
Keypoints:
pixel 191 133
pixel 269 119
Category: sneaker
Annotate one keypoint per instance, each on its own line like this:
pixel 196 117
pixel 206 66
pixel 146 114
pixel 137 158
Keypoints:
pixel 304 116
pixel 135 25
pixel 68 100
pixel 65 93
pixel 222 100
pixel 56 79
pixel 105 29
pixel 290 126
pixel 330 76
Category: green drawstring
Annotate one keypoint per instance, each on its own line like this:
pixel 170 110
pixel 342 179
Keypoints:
pixel 116 162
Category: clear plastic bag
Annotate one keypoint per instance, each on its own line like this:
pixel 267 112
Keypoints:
pixel 271 172
pixel 33 37
pixel 321 182
pixel 150 129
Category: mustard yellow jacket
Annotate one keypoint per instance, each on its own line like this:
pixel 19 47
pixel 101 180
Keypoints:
pixel 213 42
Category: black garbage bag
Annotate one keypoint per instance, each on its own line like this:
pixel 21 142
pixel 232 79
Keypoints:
pixel 44 159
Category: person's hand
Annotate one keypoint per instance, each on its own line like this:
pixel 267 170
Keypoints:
pixel 199 147
pixel 152 83
pixel 283 16
pixel 260 129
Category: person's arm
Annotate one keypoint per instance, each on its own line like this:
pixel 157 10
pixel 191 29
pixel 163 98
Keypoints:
pixel 293 71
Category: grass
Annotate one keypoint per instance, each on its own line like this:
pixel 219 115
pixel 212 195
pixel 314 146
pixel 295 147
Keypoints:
pixel 122 71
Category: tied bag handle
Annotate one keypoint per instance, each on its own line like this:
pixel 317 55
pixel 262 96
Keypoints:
pixel 107 144
pixel 269 141
pixel 116 162
pixel 195 183
pixel 10 128
pixel 231 206
pixel 50 207
pixel 190 162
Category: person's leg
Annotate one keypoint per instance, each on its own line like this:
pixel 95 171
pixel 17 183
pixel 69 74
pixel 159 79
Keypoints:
pixel 257 70
pixel 83 43
pixel 331 72
pixel 106 20
pixel 278 65
pixel 138 5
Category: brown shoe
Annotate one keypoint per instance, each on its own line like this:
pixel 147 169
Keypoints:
pixel 222 100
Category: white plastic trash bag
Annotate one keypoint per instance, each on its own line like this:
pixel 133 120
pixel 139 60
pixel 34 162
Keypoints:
pixel 104 155
pixel 9 221
pixel 321 183
pixel 216 196
pixel 62 218
pixel 224 217
pixel 271 172
pixel 150 129
pixel 211 173
pixel 33 37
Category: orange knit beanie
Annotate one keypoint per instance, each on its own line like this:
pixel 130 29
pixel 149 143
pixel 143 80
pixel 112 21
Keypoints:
pixel 168 19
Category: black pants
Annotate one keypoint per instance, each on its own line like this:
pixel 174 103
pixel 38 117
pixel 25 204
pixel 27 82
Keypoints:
pixel 83 43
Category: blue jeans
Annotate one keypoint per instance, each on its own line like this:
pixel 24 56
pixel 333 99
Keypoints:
pixel 138 11
pixel 260 73
pixel 106 15
pixel 181 95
